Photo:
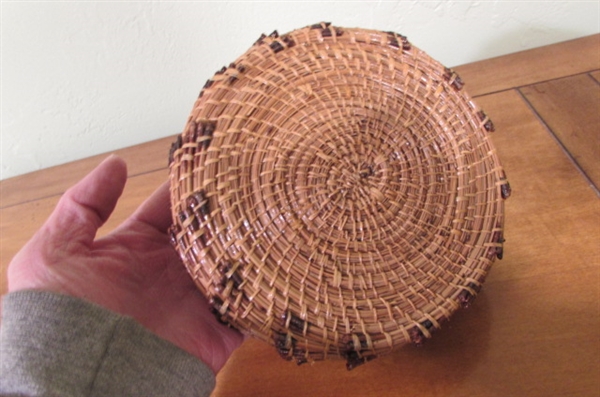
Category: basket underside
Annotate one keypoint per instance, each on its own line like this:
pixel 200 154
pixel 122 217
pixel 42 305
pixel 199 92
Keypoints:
pixel 335 193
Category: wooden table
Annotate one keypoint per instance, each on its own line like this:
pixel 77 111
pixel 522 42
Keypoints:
pixel 535 328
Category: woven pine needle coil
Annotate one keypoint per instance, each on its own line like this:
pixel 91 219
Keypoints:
pixel 335 193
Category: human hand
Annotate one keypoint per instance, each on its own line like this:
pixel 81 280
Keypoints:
pixel 133 270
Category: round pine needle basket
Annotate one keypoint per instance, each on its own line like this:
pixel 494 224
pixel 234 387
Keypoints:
pixel 335 193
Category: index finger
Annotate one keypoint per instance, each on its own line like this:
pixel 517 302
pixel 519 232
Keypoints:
pixel 155 210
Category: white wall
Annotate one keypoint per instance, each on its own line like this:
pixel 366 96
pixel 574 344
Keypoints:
pixel 82 78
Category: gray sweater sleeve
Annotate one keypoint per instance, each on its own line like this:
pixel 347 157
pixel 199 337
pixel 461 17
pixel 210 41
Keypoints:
pixel 56 345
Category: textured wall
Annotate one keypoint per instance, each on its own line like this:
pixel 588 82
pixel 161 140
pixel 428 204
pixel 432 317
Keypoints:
pixel 82 78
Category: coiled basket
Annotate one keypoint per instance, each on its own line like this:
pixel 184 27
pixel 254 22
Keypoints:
pixel 335 193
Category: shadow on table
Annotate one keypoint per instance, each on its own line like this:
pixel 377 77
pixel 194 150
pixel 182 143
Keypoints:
pixel 441 364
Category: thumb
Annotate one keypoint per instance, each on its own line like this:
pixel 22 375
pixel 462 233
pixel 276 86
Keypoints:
pixel 72 226
pixel 88 204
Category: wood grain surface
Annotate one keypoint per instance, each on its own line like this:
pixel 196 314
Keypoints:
pixel 535 328
pixel 532 66
pixel 570 107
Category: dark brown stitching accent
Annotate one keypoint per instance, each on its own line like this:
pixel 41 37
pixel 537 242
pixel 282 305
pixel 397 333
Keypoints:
pixel 261 39
pixel 505 190
pixel 393 41
pixel 488 125
pixel 320 25
pixel 356 356
pixel 285 345
pixel 466 297
pixel 174 147
pixel 288 41
pixel 453 79
pixel 276 46
pixel 293 322
pixel 198 203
